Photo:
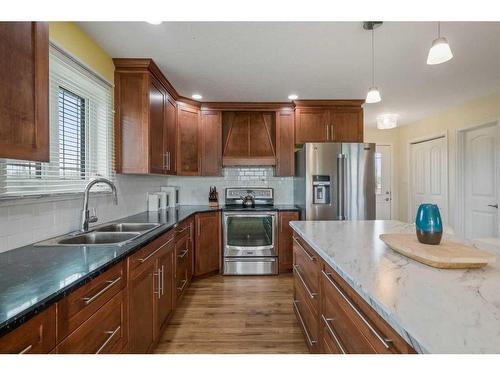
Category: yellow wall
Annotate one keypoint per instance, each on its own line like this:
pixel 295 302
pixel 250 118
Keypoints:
pixel 74 40
pixel 473 113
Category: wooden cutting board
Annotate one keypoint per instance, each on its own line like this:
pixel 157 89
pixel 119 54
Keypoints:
pixel 445 255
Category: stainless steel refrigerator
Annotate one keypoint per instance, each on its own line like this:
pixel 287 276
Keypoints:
pixel 335 181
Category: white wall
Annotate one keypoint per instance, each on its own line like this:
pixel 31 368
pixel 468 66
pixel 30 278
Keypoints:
pixel 194 190
pixel 24 221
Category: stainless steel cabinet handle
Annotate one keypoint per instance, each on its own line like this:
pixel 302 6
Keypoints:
pixel 180 256
pixel 309 256
pixel 158 280
pixel 332 334
pixel 182 230
pixel 493 205
pixel 311 342
pixel 297 271
pixel 111 335
pixel 110 283
pixel 384 341
pixel 184 282
pixel 26 350
pixel 142 260
pixel 332 132
pixel 328 132
pixel 162 279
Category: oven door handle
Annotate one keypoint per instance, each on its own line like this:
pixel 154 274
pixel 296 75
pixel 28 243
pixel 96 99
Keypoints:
pixel 251 259
pixel 272 214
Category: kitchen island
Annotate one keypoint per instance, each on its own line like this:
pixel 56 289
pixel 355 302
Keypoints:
pixel 433 310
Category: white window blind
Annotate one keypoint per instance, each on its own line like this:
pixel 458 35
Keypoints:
pixel 81 135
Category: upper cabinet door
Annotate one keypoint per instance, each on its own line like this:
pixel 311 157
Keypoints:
pixel 311 125
pixel 211 143
pixel 157 98
pixel 24 91
pixel 285 157
pixel 346 125
pixel 188 141
pixel 170 135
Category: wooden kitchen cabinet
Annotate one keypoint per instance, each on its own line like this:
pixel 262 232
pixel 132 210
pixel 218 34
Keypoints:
pixel 188 140
pixel 285 238
pixel 24 91
pixel 285 145
pixel 105 332
pixel 207 243
pixel 165 276
pixel 211 143
pixel 145 118
pixel 328 121
pixel 183 264
pixel 36 336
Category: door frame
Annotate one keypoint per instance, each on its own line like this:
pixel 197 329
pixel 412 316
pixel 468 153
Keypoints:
pixel 460 175
pixel 391 145
pixel 411 201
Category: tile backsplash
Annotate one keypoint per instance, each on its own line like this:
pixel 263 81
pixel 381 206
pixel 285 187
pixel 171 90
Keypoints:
pixel 194 190
pixel 24 221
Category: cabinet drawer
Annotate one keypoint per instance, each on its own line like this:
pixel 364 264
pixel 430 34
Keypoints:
pixel 77 307
pixel 358 326
pixel 330 342
pixel 104 332
pixel 306 266
pixel 306 315
pixel 181 275
pixel 36 336
pixel 148 252
pixel 184 228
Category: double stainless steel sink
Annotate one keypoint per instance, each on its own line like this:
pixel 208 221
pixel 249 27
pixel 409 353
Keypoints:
pixel 106 234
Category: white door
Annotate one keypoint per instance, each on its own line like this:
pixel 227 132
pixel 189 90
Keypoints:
pixel 481 182
pixel 383 182
pixel 429 176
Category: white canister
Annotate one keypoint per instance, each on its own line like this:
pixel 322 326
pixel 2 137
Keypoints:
pixel 163 199
pixel 153 202
pixel 173 195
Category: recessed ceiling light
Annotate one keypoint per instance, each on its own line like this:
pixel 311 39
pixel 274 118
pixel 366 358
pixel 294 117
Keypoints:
pixel 154 22
pixel 293 96
pixel 387 121
pixel 196 96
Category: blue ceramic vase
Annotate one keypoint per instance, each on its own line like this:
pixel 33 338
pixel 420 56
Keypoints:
pixel 429 225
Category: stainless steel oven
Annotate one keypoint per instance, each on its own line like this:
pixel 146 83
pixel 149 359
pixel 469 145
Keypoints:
pixel 249 233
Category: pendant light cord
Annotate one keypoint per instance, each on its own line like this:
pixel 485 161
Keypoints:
pixel 439 29
pixel 373 58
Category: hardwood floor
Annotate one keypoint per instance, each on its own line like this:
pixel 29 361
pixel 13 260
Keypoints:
pixel 230 314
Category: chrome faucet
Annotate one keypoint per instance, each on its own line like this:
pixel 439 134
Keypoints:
pixel 86 218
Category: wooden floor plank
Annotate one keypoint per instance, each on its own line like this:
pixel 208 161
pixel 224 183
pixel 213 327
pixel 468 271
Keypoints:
pixel 228 314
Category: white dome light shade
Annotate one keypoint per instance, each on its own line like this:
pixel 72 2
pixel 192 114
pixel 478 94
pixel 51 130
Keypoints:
pixel 373 95
pixel 293 96
pixel 196 96
pixel 387 121
pixel 440 52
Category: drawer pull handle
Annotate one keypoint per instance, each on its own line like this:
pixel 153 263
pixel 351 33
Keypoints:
pixel 374 331
pixel 182 230
pixel 158 280
pixel 184 282
pixel 111 335
pixel 334 336
pixel 162 279
pixel 297 271
pixel 311 258
pixel 142 260
pixel 183 254
pixel 89 300
pixel 26 350
pixel 311 342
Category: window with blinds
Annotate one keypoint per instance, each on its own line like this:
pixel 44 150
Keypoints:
pixel 81 135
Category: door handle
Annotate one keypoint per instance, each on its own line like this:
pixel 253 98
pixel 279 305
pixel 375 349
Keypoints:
pixel 493 205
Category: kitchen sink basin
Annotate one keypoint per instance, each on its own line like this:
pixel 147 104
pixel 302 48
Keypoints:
pixel 127 227
pixel 98 238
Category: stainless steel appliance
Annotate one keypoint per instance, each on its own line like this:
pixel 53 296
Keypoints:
pixel 335 181
pixel 249 232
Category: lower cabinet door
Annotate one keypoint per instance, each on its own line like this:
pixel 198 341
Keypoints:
pixel 36 336
pixel 103 333
pixel 142 294
pixel 166 279
pixel 207 250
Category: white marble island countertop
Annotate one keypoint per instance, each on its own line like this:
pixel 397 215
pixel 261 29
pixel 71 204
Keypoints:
pixel 434 310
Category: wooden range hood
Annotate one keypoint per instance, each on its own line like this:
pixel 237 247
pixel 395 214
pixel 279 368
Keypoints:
pixel 249 138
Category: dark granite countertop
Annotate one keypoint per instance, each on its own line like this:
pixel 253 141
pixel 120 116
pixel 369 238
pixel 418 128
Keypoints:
pixel 34 277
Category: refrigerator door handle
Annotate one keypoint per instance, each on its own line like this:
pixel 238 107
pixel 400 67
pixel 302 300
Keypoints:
pixel 341 162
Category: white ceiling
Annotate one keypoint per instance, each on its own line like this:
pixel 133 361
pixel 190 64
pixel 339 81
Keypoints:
pixel 255 61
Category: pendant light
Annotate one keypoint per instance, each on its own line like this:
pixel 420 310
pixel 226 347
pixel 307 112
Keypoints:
pixel 440 50
pixel 373 95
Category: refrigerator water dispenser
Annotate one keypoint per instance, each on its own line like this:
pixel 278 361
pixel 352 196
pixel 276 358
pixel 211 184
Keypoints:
pixel 321 189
